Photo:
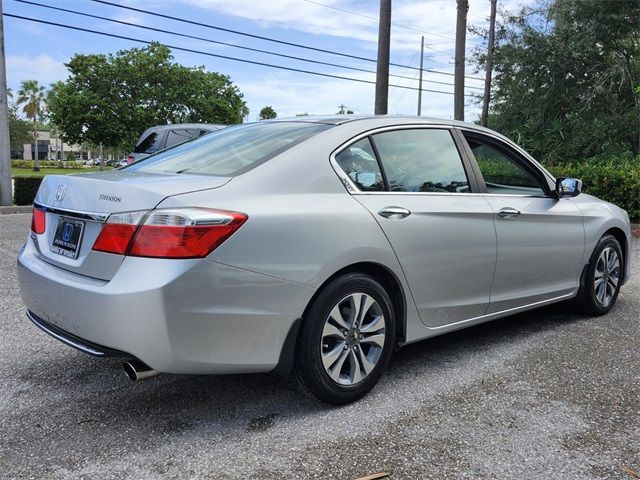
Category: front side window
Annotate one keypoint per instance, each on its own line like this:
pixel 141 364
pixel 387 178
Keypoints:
pixel 232 150
pixel 503 174
pixel 359 162
pixel 421 160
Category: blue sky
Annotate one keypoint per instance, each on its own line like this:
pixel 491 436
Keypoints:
pixel 348 26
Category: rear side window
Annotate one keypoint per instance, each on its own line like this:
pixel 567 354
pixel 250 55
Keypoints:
pixel 149 144
pixel 359 162
pixel 421 160
pixel 230 151
pixel 180 135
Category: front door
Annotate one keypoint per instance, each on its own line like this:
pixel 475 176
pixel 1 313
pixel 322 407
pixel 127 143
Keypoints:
pixel 540 238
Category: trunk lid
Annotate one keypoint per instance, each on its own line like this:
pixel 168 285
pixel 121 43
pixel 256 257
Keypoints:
pixel 78 204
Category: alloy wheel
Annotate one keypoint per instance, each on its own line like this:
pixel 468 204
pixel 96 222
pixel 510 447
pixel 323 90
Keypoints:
pixel 353 338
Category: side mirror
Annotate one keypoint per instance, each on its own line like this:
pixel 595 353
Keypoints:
pixel 568 187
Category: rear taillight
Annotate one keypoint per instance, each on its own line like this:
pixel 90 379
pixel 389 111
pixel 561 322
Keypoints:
pixel 130 159
pixel 170 233
pixel 38 221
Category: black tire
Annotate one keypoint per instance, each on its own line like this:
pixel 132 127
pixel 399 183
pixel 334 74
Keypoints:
pixel 587 301
pixel 310 372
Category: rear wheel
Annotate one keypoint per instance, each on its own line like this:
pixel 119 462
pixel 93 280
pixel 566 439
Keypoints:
pixel 346 340
pixel 603 278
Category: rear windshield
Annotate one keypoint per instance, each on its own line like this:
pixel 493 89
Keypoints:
pixel 230 151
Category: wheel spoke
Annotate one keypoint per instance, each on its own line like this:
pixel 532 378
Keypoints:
pixel 356 375
pixel 336 315
pixel 334 372
pixel 329 358
pixel 600 292
pixel 376 339
pixel 374 325
pixel 330 330
pixel 366 365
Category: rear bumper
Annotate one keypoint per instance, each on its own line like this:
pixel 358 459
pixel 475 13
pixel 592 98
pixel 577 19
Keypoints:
pixel 184 316
pixel 78 343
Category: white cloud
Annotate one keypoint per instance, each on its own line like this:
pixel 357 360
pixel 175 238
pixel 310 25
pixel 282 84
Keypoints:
pixel 44 68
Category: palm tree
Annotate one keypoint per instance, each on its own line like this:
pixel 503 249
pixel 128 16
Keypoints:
pixel 32 96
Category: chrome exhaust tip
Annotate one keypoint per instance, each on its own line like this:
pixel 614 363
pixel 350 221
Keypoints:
pixel 136 370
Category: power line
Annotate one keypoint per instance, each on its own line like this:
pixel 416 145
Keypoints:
pixel 191 50
pixel 260 37
pixel 351 12
pixel 217 42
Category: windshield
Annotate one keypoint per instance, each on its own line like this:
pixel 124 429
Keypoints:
pixel 230 151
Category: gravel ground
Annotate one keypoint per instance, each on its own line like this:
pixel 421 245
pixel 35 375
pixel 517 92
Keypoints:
pixel 543 395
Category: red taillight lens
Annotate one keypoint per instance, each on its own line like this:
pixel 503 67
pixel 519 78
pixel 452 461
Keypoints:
pixel 130 159
pixel 38 221
pixel 183 233
pixel 115 238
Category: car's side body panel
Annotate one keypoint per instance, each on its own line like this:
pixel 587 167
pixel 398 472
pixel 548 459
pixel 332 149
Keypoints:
pixel 546 228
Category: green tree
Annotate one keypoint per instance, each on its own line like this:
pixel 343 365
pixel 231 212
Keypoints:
pixel 566 77
pixel 113 98
pixel 20 132
pixel 267 113
pixel 31 96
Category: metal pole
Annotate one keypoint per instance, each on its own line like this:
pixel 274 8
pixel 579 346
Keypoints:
pixel 420 83
pixel 5 148
pixel 101 158
pixel 384 45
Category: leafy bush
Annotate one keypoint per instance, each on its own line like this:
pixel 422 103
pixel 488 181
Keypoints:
pixel 71 157
pixel 47 164
pixel 616 180
pixel 26 189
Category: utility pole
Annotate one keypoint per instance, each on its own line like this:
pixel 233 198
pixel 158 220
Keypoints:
pixel 484 119
pixel 384 45
pixel 420 83
pixel 341 107
pixel 5 148
pixel 461 37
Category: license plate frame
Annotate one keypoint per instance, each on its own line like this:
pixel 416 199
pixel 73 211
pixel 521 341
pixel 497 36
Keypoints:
pixel 67 238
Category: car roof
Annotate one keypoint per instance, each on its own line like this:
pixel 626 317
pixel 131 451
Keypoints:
pixel 381 120
pixel 173 126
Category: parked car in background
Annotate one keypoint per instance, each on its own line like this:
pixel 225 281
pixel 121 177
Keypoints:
pixel 160 137
pixel 318 244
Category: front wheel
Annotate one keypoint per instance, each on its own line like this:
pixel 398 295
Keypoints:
pixel 346 340
pixel 603 278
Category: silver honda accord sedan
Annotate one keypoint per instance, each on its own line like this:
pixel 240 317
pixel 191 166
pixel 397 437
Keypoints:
pixel 312 247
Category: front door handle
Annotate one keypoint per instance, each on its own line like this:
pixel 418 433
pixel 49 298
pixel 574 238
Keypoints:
pixel 508 212
pixel 394 212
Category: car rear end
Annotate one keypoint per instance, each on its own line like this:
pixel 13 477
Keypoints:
pixel 108 270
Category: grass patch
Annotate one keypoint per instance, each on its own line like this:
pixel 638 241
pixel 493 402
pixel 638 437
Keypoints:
pixel 28 172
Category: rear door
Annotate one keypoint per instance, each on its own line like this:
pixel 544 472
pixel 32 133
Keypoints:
pixel 416 186
pixel 540 237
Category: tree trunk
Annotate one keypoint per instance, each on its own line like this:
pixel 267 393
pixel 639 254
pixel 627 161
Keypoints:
pixel 484 119
pixel 36 165
pixel 461 37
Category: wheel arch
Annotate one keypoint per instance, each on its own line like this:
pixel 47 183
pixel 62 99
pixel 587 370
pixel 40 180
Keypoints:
pixel 387 279
pixel 378 272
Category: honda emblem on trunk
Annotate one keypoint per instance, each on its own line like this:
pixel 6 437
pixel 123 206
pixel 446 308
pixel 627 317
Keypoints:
pixel 62 189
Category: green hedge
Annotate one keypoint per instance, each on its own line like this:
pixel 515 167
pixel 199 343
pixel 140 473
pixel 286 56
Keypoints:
pixel 25 189
pixel 47 164
pixel 616 181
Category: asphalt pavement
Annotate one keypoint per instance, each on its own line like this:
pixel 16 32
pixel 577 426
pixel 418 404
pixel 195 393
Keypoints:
pixel 543 395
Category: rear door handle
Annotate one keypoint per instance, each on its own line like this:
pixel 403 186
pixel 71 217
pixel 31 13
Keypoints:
pixel 394 212
pixel 507 212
